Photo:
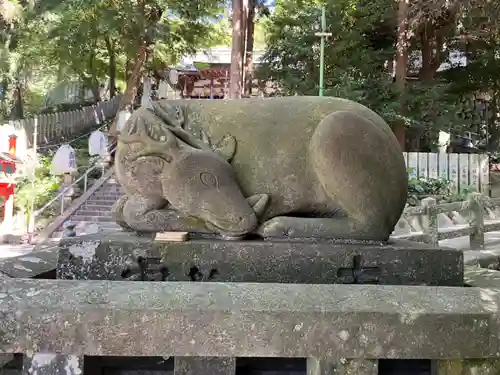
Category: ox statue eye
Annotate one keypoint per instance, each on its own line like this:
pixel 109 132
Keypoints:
pixel 208 179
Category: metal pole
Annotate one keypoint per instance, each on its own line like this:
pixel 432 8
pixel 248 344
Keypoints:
pixel 323 34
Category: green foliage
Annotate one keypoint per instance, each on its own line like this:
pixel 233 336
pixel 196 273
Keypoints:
pixel 42 191
pixel 440 188
pixel 44 42
pixel 47 186
pixel 77 33
pixel 362 47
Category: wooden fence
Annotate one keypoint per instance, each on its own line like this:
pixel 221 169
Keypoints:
pixel 475 206
pixel 463 170
pixel 56 127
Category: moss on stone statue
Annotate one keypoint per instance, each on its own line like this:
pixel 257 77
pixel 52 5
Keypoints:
pixel 313 157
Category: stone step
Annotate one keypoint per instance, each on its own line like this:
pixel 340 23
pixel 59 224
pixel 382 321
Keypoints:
pixel 110 188
pixel 95 207
pixel 107 197
pixel 94 219
pixel 84 212
pixel 58 235
pixel 105 226
pixel 100 202
pixel 117 193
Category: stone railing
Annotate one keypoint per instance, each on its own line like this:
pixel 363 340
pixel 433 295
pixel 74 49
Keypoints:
pixel 61 126
pixel 340 329
pixel 476 206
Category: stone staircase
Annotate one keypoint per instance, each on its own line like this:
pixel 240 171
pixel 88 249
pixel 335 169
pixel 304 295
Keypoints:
pixel 96 209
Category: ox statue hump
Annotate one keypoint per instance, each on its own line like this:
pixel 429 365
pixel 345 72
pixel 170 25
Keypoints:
pixel 290 166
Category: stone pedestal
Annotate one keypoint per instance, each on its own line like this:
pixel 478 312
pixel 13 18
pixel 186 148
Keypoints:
pixel 121 256
pixel 125 256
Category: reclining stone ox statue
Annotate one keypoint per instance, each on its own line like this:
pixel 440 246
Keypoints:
pixel 277 167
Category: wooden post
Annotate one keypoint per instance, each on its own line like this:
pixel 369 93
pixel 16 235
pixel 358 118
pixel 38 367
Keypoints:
pixel 476 221
pixel 429 221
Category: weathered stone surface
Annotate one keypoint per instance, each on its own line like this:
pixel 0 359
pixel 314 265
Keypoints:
pixel 247 319
pixel 298 168
pixel 458 219
pixel 5 358
pixel 105 257
pixel 402 227
pixel 341 366
pixel 204 366
pixel 482 258
pixel 30 265
pixel 52 364
pixel 416 223
pixel 481 277
pixel 444 221
pixel 11 372
pixel 469 367
pixel 87 228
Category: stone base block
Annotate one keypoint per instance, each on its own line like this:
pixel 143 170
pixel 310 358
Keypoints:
pixel 119 256
pixel 316 366
pixel 469 367
pixel 101 318
pixel 52 364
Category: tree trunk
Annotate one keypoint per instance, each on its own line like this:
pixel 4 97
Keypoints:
pixel 426 71
pixel 390 69
pixel 132 85
pixel 95 91
pixel 5 96
pixel 399 127
pixel 112 66
pixel 244 22
pixel 93 82
pixel 18 108
pixel 492 127
pixel 127 68
pixel 249 48
pixel 236 58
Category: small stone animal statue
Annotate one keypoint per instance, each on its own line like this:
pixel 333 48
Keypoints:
pixel 282 167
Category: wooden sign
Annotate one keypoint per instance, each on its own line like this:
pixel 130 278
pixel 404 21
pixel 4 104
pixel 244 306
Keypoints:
pixel 172 236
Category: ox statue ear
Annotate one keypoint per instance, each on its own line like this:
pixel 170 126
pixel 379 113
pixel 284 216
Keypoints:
pixel 226 147
pixel 167 113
